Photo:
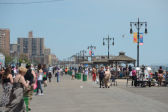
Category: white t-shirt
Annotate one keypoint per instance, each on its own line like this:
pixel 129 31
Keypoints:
pixel 40 77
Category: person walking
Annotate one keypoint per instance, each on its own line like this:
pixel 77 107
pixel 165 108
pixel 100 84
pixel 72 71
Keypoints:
pixel 160 75
pixel 107 76
pixel 94 75
pixel 86 72
pixel 58 75
pixel 16 102
pixel 134 78
pixel 50 73
pixel 49 76
pixel 39 80
pixel 7 81
pixel 73 74
pixel 66 70
pixel 2 71
pixel 45 75
pixel 101 76
pixel 31 77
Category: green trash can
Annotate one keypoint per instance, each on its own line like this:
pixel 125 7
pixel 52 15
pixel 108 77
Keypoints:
pixel 26 100
pixel 76 76
pixel 79 76
pixel 84 77
pixel 71 73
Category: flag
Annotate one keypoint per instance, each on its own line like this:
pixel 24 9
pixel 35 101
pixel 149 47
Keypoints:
pixel 135 37
pixel 140 38
pixel 90 53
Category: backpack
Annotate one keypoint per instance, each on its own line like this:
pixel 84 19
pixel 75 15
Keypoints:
pixel 29 76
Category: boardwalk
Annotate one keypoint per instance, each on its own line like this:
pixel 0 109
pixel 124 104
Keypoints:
pixel 77 96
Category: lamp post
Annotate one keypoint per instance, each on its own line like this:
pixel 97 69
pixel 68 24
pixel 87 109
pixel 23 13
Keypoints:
pixel 82 52
pixel 138 26
pixel 108 43
pixel 91 47
pixel 77 56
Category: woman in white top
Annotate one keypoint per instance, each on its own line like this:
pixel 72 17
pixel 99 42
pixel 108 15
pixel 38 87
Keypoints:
pixel 73 74
pixel 39 80
pixel 87 72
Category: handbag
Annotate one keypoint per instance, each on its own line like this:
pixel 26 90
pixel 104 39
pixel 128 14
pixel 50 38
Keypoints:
pixel 35 85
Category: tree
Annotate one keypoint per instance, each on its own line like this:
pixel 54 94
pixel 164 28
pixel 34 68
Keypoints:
pixel 23 58
pixel 8 60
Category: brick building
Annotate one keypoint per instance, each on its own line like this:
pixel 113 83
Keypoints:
pixel 5 41
pixel 31 46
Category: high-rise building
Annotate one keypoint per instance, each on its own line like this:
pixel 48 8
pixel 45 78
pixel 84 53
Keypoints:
pixel 5 41
pixel 31 46
pixel 14 50
pixel 47 51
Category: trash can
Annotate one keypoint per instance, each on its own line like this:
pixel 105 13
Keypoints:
pixel 71 73
pixel 84 77
pixel 26 100
pixel 68 72
pixel 79 76
pixel 76 75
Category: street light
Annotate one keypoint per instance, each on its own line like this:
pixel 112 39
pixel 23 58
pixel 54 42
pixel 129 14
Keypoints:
pixel 138 25
pixel 108 43
pixel 82 52
pixel 77 56
pixel 91 47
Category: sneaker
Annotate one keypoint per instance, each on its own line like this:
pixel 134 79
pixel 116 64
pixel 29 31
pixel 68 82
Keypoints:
pixel 36 94
pixel 42 94
pixel 39 94
pixel 29 109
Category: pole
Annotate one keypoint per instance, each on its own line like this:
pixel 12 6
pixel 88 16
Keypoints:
pixel 138 45
pixel 138 26
pixel 83 56
pixel 108 46
pixel 91 49
pixel 91 53
pixel 108 39
pixel 78 58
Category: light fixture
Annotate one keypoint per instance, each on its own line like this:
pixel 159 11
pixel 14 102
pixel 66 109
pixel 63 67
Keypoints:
pixel 113 42
pixel 131 31
pixel 146 31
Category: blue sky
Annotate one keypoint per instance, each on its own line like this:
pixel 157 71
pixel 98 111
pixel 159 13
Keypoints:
pixel 69 26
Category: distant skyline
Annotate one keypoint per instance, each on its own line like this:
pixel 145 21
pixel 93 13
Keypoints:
pixel 69 26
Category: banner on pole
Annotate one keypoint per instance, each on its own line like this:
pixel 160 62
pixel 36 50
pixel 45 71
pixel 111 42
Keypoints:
pixel 140 38
pixel 135 37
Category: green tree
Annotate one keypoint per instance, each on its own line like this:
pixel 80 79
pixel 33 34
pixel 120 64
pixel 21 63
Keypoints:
pixel 24 59
pixel 8 60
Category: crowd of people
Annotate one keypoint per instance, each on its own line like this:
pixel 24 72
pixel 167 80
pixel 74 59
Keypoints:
pixel 140 76
pixel 20 82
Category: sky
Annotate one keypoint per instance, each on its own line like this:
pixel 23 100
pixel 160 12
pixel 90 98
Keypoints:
pixel 69 26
